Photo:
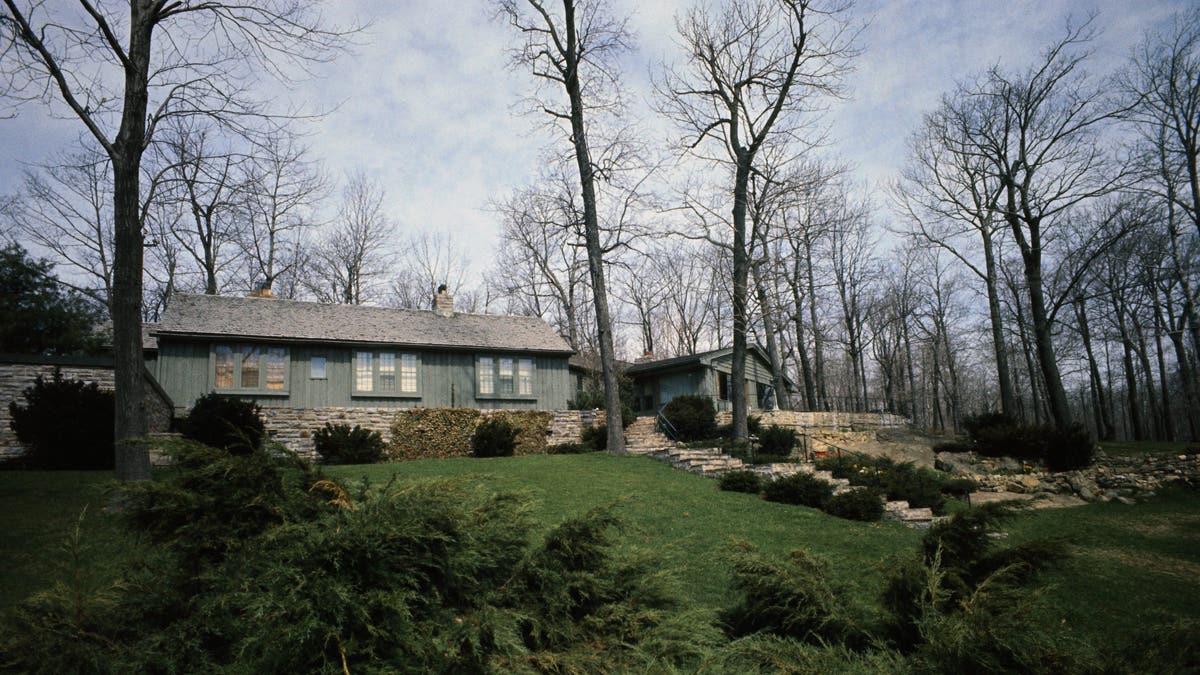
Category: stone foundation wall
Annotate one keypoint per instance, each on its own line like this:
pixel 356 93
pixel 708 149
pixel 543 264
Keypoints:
pixel 824 421
pixel 15 378
pixel 294 427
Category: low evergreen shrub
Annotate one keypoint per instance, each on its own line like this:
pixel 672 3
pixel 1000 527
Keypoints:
pixel 494 437
pixel 426 577
pixel 741 481
pixel 341 444
pixel 953 447
pixel 1069 449
pixel 864 504
pixel 693 417
pixel 225 422
pixel 800 488
pixel 921 488
pixel 753 427
pixel 64 424
pixel 777 440
pixel 569 449
pixel 792 598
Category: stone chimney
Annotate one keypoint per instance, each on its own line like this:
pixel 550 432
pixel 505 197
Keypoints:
pixel 646 356
pixel 443 302
pixel 262 290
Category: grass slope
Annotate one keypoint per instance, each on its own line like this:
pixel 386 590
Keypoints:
pixel 1132 564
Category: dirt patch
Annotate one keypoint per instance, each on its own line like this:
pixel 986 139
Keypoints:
pixel 1167 565
pixel 901 445
pixel 1175 525
pixel 1041 500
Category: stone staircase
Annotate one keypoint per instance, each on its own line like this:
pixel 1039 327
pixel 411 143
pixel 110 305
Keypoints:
pixel 643 438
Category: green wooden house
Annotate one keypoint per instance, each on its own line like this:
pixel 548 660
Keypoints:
pixel 284 353
pixel 706 374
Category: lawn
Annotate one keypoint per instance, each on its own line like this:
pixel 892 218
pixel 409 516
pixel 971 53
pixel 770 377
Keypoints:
pixel 1130 564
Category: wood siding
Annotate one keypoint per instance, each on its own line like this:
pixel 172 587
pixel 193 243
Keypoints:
pixel 445 379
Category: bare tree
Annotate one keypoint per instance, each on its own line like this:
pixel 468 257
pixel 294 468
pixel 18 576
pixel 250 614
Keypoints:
pixel 575 54
pixel 351 260
pixel 754 70
pixel 541 263
pixel 428 260
pixel 204 63
pixel 1039 133
pixel 948 190
pixel 66 209
pixel 281 188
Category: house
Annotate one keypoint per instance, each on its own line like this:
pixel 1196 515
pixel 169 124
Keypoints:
pixel 304 355
pixel 656 382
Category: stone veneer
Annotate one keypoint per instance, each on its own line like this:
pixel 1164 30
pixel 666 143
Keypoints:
pixel 833 421
pixel 294 427
pixel 16 377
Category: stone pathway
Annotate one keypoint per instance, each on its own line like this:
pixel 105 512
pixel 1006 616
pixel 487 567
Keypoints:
pixel 643 438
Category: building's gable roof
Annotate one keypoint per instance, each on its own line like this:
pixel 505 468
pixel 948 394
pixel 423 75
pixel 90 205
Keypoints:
pixel 289 320
pixel 703 358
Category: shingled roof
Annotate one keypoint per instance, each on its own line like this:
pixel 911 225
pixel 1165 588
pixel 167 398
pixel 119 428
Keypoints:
pixel 289 320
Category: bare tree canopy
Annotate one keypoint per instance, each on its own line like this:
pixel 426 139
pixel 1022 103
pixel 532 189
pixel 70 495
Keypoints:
pixel 102 64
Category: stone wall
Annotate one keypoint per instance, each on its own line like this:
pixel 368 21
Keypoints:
pixel 294 427
pixel 18 373
pixel 824 421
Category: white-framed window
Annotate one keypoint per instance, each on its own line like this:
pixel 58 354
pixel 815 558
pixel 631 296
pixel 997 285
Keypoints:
pixel 317 368
pixel 504 376
pixel 386 373
pixel 249 368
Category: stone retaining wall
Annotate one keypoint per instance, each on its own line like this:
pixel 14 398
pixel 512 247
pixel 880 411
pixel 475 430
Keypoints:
pixel 16 377
pixel 823 421
pixel 294 427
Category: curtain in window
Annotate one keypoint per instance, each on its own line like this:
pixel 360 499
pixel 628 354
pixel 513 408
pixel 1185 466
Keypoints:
pixel 224 374
pixel 408 373
pixel 487 384
pixel 363 380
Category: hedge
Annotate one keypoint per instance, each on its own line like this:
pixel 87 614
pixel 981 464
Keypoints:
pixel 436 433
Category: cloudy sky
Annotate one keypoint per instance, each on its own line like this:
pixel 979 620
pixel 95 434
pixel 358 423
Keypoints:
pixel 427 104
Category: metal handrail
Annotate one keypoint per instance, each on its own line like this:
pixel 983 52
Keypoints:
pixel 664 425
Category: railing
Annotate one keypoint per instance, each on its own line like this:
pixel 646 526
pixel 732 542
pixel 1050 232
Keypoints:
pixel 664 425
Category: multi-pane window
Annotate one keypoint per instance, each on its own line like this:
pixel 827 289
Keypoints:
pixel 386 373
pixel 525 377
pixel 487 375
pixel 364 376
pixel 249 368
pixel 504 376
pixel 408 373
pixel 224 367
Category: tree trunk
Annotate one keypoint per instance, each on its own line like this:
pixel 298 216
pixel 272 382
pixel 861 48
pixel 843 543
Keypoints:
pixel 132 460
pixel 1142 350
pixel 818 350
pixel 1104 424
pixel 770 328
pixel 1056 395
pixel 591 226
pixel 741 270
pixel 810 393
pixel 1003 376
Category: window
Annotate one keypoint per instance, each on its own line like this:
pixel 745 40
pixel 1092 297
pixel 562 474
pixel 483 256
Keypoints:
pixel 504 377
pixel 723 386
pixel 317 368
pixel 486 376
pixel 525 377
pixel 386 373
pixel 249 368
pixel 363 375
